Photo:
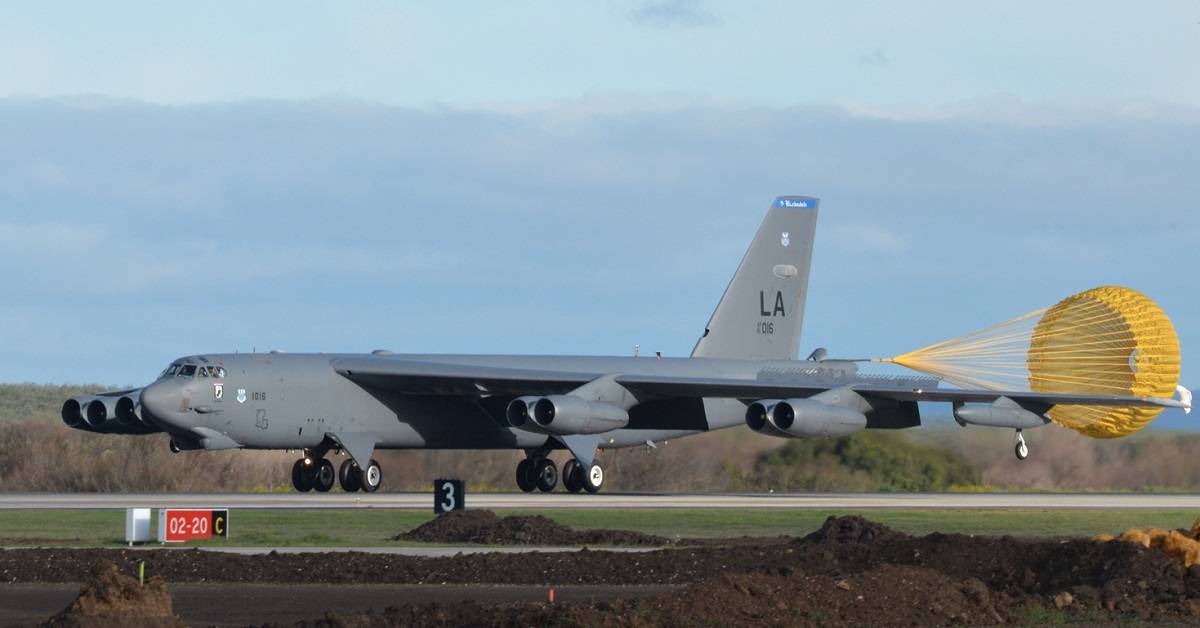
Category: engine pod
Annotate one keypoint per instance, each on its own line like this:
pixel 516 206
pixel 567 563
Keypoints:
pixel 568 414
pixel 808 418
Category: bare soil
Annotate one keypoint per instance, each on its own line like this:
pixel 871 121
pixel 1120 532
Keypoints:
pixel 109 598
pixel 484 527
pixel 850 572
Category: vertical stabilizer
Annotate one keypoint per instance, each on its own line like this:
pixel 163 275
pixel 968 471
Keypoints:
pixel 761 313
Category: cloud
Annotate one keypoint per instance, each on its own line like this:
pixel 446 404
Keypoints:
pixel 573 228
pixel 875 57
pixel 673 13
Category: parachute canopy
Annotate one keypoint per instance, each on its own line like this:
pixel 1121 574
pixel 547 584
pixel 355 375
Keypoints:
pixel 1108 340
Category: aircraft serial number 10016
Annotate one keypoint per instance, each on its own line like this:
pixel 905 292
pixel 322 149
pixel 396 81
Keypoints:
pixel 743 370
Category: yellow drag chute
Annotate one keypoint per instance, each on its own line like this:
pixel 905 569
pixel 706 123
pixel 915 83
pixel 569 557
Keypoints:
pixel 1105 341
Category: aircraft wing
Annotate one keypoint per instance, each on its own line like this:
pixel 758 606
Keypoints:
pixel 756 389
pixel 435 378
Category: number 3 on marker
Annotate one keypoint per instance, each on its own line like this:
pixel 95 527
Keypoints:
pixel 448 504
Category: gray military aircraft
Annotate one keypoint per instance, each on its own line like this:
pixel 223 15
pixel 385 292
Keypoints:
pixel 743 370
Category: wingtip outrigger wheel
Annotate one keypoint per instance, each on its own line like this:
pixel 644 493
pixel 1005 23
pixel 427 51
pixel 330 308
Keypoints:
pixel 1022 450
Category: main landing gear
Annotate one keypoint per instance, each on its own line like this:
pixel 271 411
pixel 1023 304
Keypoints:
pixel 315 473
pixel 537 472
pixel 1022 450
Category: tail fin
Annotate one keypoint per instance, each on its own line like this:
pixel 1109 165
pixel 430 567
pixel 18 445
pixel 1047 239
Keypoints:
pixel 761 313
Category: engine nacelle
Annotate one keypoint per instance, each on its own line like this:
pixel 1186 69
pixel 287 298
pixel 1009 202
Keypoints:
pixel 799 418
pixel 119 414
pixel 74 412
pixel 758 417
pixel 568 414
pixel 805 417
pixel 100 411
pixel 520 411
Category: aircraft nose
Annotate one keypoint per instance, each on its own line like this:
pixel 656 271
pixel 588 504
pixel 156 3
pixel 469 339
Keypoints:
pixel 163 399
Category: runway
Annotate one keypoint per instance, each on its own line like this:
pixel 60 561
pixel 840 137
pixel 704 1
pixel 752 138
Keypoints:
pixel 540 501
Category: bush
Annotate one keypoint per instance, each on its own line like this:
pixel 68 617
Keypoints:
pixel 866 461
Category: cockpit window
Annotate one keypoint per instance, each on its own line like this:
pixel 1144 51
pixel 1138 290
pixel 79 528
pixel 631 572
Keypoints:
pixel 191 370
pixel 211 371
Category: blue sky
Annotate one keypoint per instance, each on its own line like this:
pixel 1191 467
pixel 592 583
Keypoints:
pixel 575 177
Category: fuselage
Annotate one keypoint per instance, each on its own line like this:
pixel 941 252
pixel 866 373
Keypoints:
pixel 291 401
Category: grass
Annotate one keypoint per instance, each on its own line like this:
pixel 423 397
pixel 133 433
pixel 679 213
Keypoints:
pixel 373 528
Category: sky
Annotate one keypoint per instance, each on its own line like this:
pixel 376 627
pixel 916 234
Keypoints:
pixel 575 178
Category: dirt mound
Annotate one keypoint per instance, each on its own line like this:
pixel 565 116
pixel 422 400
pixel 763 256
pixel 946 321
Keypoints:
pixel 889 596
pixel 854 529
pixel 1181 545
pixel 485 528
pixel 109 598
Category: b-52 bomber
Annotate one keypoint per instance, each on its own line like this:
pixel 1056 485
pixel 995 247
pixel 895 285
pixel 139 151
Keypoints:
pixel 743 370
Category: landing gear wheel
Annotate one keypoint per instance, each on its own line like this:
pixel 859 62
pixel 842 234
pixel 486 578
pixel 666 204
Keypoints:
pixel 371 477
pixel 300 477
pixel 547 475
pixel 593 479
pixel 349 476
pixel 1022 450
pixel 572 473
pixel 526 480
pixel 323 476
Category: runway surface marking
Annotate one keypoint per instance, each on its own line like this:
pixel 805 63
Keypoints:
pixel 538 501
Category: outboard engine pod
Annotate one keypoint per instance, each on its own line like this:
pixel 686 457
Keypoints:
pixel 72 413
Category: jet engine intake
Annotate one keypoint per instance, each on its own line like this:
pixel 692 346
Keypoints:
pixel 520 411
pixel 758 417
pixel 117 413
pixel 99 411
pixel 132 416
pixel 809 418
pixel 127 413
pixel 568 414
pixel 73 412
